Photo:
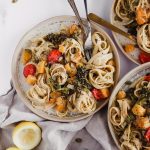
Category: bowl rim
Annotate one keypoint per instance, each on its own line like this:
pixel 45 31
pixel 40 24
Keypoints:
pixel 116 89
pixel 115 36
pixel 20 92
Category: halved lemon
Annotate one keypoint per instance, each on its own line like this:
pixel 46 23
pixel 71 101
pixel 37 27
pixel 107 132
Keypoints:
pixel 12 148
pixel 26 135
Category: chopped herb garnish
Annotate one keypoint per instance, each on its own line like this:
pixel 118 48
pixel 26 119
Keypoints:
pixel 130 118
pixel 81 77
pixel 128 82
pixel 130 95
pixel 56 39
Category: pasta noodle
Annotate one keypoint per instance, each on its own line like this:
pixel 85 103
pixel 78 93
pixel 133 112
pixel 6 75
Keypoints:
pixel 102 77
pixel 86 102
pixel 72 103
pixel 143 37
pixel 118 115
pixel 144 4
pixel 123 12
pixel 40 47
pixel 39 93
pixel 73 50
pixel 101 58
pixel 100 43
pixel 58 73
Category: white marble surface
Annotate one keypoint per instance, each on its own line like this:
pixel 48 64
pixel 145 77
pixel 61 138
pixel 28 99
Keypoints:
pixel 16 19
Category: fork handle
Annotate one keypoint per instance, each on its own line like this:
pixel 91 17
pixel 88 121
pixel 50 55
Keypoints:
pixel 86 9
pixel 73 5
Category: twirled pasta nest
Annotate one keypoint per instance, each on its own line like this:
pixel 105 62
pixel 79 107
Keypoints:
pixel 143 37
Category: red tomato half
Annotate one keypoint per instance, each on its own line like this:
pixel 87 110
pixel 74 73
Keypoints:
pixel 29 69
pixel 147 135
pixel 97 94
pixel 54 56
pixel 144 57
pixel 147 78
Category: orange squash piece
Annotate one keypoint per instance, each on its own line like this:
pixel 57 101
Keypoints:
pixel 26 56
pixel 129 48
pixel 141 16
pixel 31 79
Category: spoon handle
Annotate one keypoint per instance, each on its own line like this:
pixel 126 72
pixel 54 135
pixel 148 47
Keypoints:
pixel 86 9
pixel 73 5
pixel 108 25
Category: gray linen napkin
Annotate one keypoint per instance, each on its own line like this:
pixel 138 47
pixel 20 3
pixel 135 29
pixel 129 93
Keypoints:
pixel 55 135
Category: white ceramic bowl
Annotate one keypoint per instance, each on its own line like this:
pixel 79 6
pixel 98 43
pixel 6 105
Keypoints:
pixel 43 28
pixel 121 40
pixel 131 76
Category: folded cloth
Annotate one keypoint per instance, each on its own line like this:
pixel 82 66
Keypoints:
pixel 55 135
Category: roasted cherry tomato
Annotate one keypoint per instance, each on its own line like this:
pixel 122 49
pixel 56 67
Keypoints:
pixel 147 135
pixel 54 56
pixel 97 94
pixel 147 78
pixel 144 57
pixel 29 69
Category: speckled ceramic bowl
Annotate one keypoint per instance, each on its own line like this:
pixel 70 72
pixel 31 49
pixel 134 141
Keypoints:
pixel 121 40
pixel 132 76
pixel 43 28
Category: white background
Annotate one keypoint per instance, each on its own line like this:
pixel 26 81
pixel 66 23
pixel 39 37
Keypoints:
pixel 16 19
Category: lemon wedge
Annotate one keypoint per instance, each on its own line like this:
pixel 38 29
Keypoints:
pixel 26 135
pixel 12 148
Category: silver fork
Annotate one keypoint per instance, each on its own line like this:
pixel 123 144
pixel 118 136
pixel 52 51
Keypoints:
pixel 88 43
pixel 86 30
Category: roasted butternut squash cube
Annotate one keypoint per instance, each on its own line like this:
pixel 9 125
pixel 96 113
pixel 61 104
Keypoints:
pixel 138 110
pixel 121 94
pixel 26 56
pixel 71 69
pixel 31 79
pixel 111 62
pixel 41 67
pixel 52 101
pixel 73 29
pixel 61 49
pixel 141 16
pixel 60 104
pixel 60 108
pixel 129 48
pixel 55 94
pixel 105 93
pixel 143 122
